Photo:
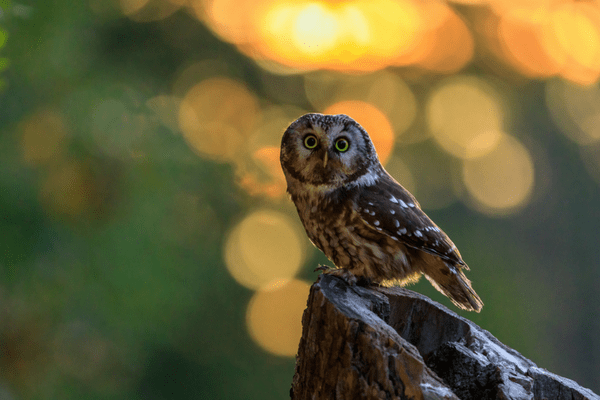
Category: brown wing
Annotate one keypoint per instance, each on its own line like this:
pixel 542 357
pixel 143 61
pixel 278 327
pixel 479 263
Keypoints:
pixel 390 209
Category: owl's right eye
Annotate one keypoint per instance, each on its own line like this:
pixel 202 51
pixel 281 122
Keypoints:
pixel 310 142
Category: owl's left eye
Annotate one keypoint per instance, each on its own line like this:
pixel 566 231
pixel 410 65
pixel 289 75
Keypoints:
pixel 342 145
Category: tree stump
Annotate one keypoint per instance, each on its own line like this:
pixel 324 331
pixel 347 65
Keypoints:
pixel 392 343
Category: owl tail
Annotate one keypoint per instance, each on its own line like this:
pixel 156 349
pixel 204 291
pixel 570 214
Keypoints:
pixel 453 283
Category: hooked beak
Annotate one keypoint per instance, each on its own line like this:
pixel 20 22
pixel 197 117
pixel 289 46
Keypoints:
pixel 325 160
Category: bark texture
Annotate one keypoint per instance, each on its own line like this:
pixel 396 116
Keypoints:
pixel 392 343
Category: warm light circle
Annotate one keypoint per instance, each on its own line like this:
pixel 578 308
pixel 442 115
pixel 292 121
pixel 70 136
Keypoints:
pixel 465 117
pixel 274 317
pixel 502 180
pixel 374 121
pixel 216 116
pixel 264 247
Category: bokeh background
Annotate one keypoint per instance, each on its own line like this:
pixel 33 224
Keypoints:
pixel 147 247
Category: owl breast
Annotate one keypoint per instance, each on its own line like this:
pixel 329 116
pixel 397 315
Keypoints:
pixel 335 227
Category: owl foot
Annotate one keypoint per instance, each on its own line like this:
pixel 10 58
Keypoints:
pixel 342 273
pixel 324 268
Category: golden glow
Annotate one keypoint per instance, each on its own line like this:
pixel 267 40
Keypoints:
pixel 352 35
pixel 501 181
pixel 465 117
pixel 449 43
pixel 383 89
pixel 528 42
pixel 274 317
pixel 43 137
pixel 265 247
pixel 274 187
pixel 216 116
pixel 544 38
pixel 577 28
pixel 394 98
pixel 374 122
pixel 346 35
pixel 258 170
pixel 575 109
pixel 314 29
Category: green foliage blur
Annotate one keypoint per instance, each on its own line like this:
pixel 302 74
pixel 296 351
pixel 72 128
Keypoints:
pixel 129 297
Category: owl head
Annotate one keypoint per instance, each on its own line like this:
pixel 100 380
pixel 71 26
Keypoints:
pixel 326 150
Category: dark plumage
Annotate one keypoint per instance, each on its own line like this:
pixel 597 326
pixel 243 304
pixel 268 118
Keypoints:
pixel 359 216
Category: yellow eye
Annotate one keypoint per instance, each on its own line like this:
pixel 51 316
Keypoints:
pixel 310 141
pixel 342 145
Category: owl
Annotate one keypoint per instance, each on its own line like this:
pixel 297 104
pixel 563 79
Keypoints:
pixel 364 221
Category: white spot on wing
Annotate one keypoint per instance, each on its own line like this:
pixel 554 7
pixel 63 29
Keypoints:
pixel 376 223
pixel 397 223
pixel 418 233
pixel 392 212
pixel 394 200
pixel 411 204
pixel 403 204
pixel 402 231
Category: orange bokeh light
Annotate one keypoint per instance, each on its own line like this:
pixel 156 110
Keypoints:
pixel 216 116
pixel 268 159
pixel 548 38
pixel 374 121
pixel 577 27
pixel 274 316
pixel 265 247
pixel 527 41
pixel 352 35
pixel 447 44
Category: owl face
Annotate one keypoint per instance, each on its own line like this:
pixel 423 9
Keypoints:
pixel 329 150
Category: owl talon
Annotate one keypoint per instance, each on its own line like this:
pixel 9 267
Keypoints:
pixel 344 274
pixel 324 268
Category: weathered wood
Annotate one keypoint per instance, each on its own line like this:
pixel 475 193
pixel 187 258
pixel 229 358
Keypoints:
pixel 392 343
